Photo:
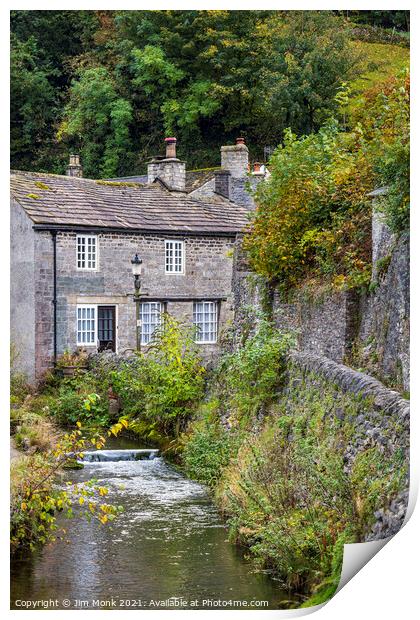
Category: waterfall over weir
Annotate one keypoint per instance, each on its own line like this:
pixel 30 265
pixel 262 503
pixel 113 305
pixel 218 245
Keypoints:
pixel 100 456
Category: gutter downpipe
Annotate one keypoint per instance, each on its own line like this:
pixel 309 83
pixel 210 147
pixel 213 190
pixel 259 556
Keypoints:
pixel 54 301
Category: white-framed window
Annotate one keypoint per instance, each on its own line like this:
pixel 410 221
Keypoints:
pixel 205 320
pixel 174 256
pixel 87 252
pixel 150 319
pixel 86 325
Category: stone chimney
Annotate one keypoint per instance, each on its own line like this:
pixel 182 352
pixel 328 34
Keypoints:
pixel 74 169
pixel 168 169
pixel 235 159
pixel 222 183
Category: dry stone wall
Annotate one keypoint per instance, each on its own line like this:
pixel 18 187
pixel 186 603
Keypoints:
pixel 384 330
pixel 368 330
pixel 383 422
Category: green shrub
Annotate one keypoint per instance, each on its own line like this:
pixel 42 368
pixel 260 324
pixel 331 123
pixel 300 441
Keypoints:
pixel 36 500
pixel 287 490
pixel 165 385
pixel 313 222
pixel 73 405
pixel 19 385
pixel 252 376
pixel 376 479
pixel 19 388
pixel 208 446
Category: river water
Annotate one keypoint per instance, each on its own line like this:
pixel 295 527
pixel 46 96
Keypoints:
pixel 168 549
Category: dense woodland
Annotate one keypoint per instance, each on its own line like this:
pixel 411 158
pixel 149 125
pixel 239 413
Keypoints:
pixel 109 84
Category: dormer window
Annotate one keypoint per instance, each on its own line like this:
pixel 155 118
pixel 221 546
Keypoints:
pixel 174 257
pixel 87 252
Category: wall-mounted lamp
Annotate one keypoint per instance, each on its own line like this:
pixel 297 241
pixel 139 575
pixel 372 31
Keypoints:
pixel 136 263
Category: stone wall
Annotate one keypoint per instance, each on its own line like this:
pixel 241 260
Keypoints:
pixel 44 297
pixel 208 273
pixel 222 183
pixel 326 327
pixel 22 290
pixel 382 422
pixel 241 190
pixel 369 330
pixel 384 330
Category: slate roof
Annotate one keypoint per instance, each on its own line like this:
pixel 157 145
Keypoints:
pixel 193 178
pixel 142 178
pixel 196 178
pixel 73 202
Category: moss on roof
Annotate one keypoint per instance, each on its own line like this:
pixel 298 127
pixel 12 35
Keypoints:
pixel 73 201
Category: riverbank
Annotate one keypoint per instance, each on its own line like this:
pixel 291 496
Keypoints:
pixel 169 545
pixel 42 450
pixel 321 462
pixel 300 454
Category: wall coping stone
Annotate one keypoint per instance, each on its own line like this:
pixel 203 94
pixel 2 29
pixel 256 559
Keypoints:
pixel 350 380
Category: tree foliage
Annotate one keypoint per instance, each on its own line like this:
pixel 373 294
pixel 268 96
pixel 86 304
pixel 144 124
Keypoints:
pixel 314 213
pixel 98 121
pixel 386 117
pixel 383 19
pixel 110 83
pixel 43 47
pixel 37 500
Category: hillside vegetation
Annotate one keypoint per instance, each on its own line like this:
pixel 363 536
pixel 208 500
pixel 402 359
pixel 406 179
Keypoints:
pixel 110 84
pixel 313 219
pixel 379 62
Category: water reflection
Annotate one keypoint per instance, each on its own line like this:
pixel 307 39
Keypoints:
pixel 169 542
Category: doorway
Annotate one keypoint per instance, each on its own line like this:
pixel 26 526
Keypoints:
pixel 106 328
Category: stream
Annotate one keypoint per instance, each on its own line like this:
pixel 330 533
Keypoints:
pixel 167 550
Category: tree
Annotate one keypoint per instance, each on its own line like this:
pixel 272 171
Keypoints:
pixel 314 213
pixel 43 44
pixel 206 76
pixel 33 104
pixel 98 123
pixel 386 117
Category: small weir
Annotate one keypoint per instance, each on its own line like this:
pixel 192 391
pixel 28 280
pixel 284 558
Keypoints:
pixel 100 456
pixel 168 549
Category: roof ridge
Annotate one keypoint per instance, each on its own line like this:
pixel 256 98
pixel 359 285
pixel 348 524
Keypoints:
pixel 51 174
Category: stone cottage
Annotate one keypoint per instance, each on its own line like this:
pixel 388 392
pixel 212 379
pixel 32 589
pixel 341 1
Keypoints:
pixel 72 245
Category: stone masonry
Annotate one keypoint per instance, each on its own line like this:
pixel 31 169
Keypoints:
pixel 169 169
pixel 208 268
pixel 336 325
pixel 383 423
pixel 235 158
pixel 22 289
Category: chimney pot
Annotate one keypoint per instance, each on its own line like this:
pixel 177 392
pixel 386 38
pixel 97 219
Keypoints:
pixel 170 148
pixel 240 140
